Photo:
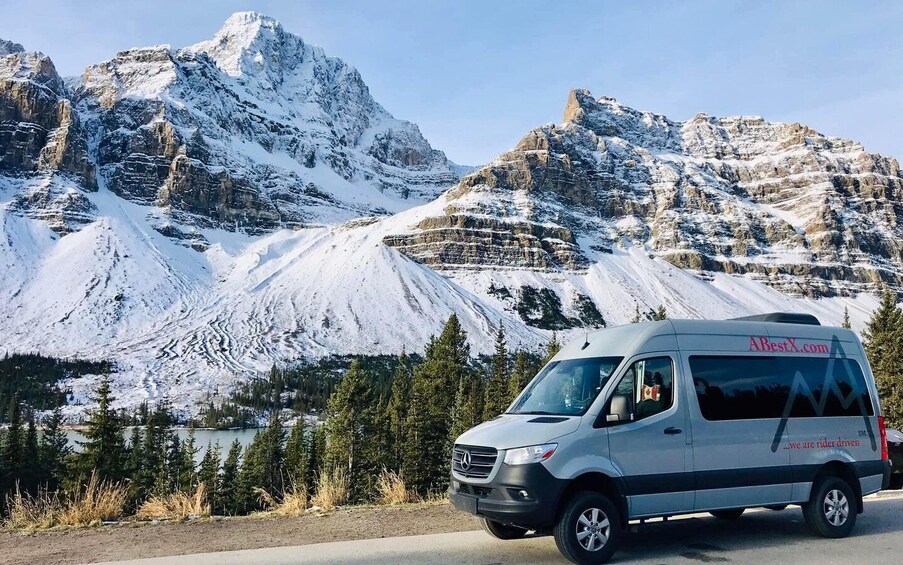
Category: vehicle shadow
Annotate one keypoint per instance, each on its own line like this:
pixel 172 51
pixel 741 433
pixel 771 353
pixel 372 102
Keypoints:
pixel 710 540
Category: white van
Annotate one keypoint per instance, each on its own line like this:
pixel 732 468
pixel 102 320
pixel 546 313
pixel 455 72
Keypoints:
pixel 675 417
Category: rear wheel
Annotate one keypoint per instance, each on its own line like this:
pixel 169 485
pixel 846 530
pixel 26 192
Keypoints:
pixel 727 514
pixel 501 531
pixel 831 510
pixel 589 529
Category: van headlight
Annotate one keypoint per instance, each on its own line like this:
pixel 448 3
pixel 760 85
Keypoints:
pixel 531 454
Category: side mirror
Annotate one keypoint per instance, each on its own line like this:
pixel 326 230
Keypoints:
pixel 619 410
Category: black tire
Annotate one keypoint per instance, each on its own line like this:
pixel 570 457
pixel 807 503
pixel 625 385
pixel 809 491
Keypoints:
pixel 732 514
pixel 831 510
pixel 777 507
pixel 501 531
pixel 605 529
pixel 896 482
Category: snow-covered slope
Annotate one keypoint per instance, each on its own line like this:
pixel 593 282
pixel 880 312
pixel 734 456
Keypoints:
pixel 199 214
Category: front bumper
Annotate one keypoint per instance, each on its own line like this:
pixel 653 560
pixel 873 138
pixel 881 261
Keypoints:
pixel 501 501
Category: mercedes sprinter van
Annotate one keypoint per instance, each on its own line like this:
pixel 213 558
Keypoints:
pixel 674 417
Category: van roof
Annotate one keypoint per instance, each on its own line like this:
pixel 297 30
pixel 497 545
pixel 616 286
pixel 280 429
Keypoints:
pixel 631 339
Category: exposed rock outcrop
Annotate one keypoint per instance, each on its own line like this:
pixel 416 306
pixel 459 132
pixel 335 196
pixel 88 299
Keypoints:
pixel 806 213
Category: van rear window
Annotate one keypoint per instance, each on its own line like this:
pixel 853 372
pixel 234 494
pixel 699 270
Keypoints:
pixel 751 387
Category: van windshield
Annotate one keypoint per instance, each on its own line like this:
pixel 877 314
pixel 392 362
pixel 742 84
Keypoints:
pixel 566 388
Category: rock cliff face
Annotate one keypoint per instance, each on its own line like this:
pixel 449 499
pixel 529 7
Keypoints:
pixel 807 214
pixel 42 141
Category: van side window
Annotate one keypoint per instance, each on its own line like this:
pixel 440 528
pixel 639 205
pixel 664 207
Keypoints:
pixel 752 387
pixel 648 387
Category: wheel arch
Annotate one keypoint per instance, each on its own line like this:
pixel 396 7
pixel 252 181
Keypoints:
pixel 845 471
pixel 595 481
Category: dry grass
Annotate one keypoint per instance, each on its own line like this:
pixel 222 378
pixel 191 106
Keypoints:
pixel 294 503
pixel 393 490
pixel 332 489
pixel 97 501
pixel 176 506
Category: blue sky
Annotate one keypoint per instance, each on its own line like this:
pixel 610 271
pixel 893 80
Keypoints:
pixel 476 76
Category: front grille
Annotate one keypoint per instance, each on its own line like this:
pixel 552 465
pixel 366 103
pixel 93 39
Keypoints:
pixel 473 462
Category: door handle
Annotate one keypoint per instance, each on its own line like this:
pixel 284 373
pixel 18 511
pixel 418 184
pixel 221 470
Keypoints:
pixel 672 431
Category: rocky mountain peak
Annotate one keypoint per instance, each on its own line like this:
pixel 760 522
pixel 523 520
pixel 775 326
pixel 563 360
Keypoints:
pixel 254 44
pixel 8 47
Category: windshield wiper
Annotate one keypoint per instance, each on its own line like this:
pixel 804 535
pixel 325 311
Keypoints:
pixel 538 413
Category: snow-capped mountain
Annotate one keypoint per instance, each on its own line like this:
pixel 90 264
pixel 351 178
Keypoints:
pixel 201 213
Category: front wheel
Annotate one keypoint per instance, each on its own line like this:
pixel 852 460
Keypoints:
pixel 831 510
pixel 589 529
pixel 501 531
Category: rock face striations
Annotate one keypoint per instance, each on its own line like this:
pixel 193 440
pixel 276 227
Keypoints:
pixel 252 130
pixel 805 213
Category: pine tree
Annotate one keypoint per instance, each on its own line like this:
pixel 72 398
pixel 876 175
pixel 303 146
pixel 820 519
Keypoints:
pixel 13 453
pixel 349 427
pixel 295 460
pixel 398 410
pixel 468 410
pixel 519 376
pixel 226 498
pixel 187 469
pixel 135 451
pixel 208 473
pixel 846 318
pixel 884 347
pixel 31 468
pixel 637 317
pixel 54 451
pixel 262 464
pixel 316 446
pixel 552 348
pixel 660 314
pixel 496 399
pixel 104 445
pixel 433 391
pixel 151 477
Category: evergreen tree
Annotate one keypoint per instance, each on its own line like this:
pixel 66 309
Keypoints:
pixel 151 475
pixel 660 314
pixel 468 409
pixel 208 473
pixel 54 451
pixel 398 410
pixel 349 427
pixel 135 455
pixel 31 465
pixel 226 499
pixel 315 446
pixel 520 376
pixel 262 464
pixel 187 469
pixel 13 452
pixel 496 399
pixel 552 348
pixel 169 480
pixel 846 318
pixel 295 455
pixel 637 317
pixel 104 445
pixel 433 391
pixel 884 346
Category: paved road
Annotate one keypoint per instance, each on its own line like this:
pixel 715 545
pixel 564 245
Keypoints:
pixel 761 537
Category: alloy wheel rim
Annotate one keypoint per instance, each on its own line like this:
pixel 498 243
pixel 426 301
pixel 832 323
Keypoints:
pixel 836 508
pixel 593 529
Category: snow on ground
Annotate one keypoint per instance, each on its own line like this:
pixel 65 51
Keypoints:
pixel 187 324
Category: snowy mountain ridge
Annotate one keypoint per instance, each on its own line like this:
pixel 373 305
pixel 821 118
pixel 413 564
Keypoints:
pixel 198 214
